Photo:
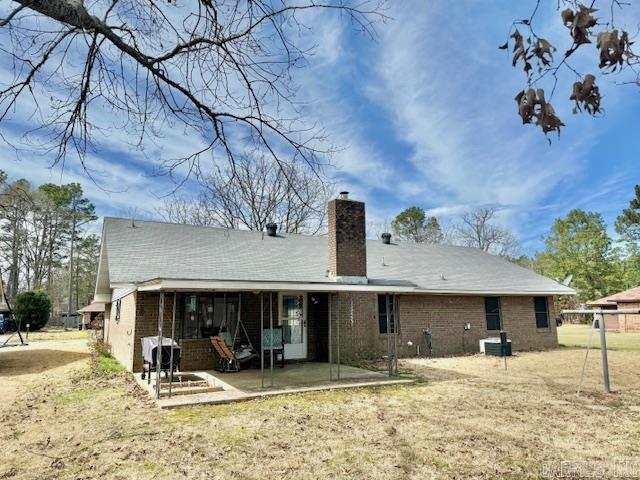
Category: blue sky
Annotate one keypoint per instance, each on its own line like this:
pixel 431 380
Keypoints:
pixel 423 115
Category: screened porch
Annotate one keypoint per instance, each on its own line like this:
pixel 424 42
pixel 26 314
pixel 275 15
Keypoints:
pixel 278 341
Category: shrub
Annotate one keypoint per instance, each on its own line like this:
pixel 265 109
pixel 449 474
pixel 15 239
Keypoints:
pixel 32 308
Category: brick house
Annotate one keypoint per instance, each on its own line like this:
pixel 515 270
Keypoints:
pixel 627 300
pixel 340 289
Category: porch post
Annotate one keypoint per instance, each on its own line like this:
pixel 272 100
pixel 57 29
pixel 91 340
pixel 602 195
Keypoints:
pixel 225 320
pixel 330 342
pixel 389 364
pixel 159 347
pixel 262 337
pixel 173 333
pixel 396 315
pixel 239 319
pixel 338 335
pixel 271 333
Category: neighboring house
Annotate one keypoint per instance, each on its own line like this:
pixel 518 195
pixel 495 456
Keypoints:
pixel 629 299
pixel 93 315
pixel 367 289
pixel 612 322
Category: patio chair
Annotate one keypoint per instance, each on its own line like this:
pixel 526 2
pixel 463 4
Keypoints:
pixel 150 356
pixel 231 361
pixel 273 339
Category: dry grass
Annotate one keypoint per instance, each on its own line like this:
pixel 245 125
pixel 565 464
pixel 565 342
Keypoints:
pixel 59 334
pixel 468 418
pixel 578 336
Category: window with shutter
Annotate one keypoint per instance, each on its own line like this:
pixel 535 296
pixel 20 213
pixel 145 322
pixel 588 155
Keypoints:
pixel 492 313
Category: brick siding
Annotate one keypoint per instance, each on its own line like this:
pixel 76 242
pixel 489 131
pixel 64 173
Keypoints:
pixel 347 238
pixel 354 322
pixel 628 323
pixel 445 316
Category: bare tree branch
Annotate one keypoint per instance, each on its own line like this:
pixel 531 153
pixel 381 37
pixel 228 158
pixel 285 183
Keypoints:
pixel 252 194
pixel 220 71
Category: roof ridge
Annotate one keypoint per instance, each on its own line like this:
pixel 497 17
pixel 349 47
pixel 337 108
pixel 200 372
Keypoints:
pixel 208 227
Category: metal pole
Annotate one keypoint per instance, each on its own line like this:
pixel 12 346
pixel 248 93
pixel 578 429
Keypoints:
pixel 603 352
pixel 586 355
pixel 173 333
pixel 239 323
pixel 388 335
pixel 224 309
pixel 338 335
pixel 330 342
pixel 271 329
pixel 159 347
pixel 262 336
pixel 395 335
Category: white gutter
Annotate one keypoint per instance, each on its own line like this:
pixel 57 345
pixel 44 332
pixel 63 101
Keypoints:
pixel 218 285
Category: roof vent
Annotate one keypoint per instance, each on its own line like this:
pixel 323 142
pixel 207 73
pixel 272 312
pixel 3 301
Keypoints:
pixel 344 196
pixel 272 228
pixel 386 238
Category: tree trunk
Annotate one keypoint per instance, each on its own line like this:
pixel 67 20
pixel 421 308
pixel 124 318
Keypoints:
pixel 73 237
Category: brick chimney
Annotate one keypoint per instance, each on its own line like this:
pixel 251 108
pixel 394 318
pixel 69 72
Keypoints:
pixel 347 240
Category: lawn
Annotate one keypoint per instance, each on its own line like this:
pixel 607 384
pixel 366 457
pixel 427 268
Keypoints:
pixel 58 334
pixel 578 335
pixel 466 418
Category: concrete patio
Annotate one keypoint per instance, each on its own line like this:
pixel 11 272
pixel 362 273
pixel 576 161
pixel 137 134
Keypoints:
pixel 247 384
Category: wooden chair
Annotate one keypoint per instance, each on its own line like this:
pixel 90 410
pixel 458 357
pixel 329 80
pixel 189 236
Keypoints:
pixel 229 361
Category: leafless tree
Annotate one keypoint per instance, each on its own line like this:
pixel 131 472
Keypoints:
pixel 218 71
pixel 601 21
pixel 252 194
pixel 375 229
pixel 478 229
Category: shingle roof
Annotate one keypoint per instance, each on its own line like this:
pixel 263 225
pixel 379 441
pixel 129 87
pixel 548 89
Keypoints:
pixel 152 250
pixel 628 296
pixel 602 302
pixel 92 307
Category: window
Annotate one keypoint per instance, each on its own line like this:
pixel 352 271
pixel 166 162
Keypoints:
pixel 492 312
pixel 202 315
pixel 392 301
pixel 118 309
pixel 190 325
pixel 542 312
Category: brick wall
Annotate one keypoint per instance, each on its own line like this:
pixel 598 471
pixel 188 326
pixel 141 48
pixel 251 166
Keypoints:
pixel 444 315
pixel 628 323
pixel 354 321
pixel 347 238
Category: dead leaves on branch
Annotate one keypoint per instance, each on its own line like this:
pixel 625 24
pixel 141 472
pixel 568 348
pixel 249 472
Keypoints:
pixel 579 23
pixel 614 49
pixel 533 108
pixel 586 94
pixel 539 49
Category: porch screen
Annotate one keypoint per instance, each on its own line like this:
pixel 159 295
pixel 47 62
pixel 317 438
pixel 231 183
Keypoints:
pixel 190 325
pixel 204 314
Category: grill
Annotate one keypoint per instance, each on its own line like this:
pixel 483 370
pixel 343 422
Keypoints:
pixel 150 356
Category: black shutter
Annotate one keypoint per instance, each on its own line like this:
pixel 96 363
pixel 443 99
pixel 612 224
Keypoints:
pixel 492 312
pixel 541 309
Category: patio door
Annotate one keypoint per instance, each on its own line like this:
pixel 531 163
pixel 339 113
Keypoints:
pixel 293 318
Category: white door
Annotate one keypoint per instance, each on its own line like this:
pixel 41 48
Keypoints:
pixel 293 318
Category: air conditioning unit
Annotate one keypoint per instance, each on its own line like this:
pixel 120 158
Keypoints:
pixel 492 346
